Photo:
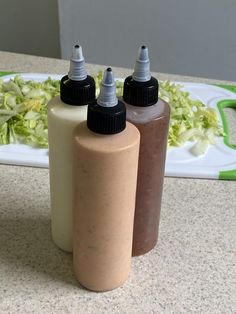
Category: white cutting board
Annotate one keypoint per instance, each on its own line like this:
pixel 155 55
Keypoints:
pixel 179 162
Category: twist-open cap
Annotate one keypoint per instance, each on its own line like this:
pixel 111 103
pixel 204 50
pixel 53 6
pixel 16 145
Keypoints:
pixel 77 88
pixel 107 115
pixel 141 89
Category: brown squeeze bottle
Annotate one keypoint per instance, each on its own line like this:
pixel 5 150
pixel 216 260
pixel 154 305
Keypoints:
pixel 106 151
pixel 151 116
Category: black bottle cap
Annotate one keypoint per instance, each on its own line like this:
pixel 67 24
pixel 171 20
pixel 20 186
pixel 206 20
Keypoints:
pixel 107 115
pixel 141 89
pixel 77 88
pixel 77 93
pixel 140 94
pixel 106 120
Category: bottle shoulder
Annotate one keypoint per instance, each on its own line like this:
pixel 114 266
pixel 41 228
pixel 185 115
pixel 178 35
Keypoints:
pixel 58 109
pixel 143 115
pixel 106 143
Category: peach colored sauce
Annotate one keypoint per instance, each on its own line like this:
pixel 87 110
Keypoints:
pixel 106 168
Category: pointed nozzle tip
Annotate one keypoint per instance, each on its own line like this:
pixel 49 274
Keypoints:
pixel 143 54
pixel 142 66
pixel 77 53
pixel 77 70
pixel 108 77
pixel 107 96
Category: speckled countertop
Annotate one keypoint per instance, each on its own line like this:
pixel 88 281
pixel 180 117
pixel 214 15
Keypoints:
pixel 192 269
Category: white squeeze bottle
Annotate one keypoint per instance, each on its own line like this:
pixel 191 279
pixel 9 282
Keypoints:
pixel 65 112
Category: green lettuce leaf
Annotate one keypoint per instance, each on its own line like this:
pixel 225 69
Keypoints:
pixel 23 110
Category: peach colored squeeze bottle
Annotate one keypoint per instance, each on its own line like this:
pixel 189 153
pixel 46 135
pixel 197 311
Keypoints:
pixel 106 152
pixel 151 116
pixel 65 112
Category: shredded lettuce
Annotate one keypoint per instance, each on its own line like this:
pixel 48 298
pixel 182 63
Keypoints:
pixel 190 119
pixel 23 113
pixel 23 110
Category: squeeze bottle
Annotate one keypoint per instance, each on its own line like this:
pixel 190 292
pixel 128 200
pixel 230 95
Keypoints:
pixel 65 112
pixel 151 116
pixel 105 173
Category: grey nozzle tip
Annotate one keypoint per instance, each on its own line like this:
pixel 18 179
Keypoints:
pixel 108 78
pixel 143 54
pixel 77 53
pixel 142 66
pixel 107 96
pixel 77 70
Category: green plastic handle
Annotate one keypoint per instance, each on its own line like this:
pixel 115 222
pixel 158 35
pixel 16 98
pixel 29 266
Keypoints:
pixel 227 175
pixel 3 73
pixel 231 88
pixel 227 103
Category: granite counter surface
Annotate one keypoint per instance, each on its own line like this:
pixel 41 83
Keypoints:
pixel 192 269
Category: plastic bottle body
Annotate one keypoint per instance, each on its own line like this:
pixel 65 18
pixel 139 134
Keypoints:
pixel 105 174
pixel 152 122
pixel 62 120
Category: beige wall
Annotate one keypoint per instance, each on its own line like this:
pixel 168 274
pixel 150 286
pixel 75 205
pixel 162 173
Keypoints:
pixel 30 27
